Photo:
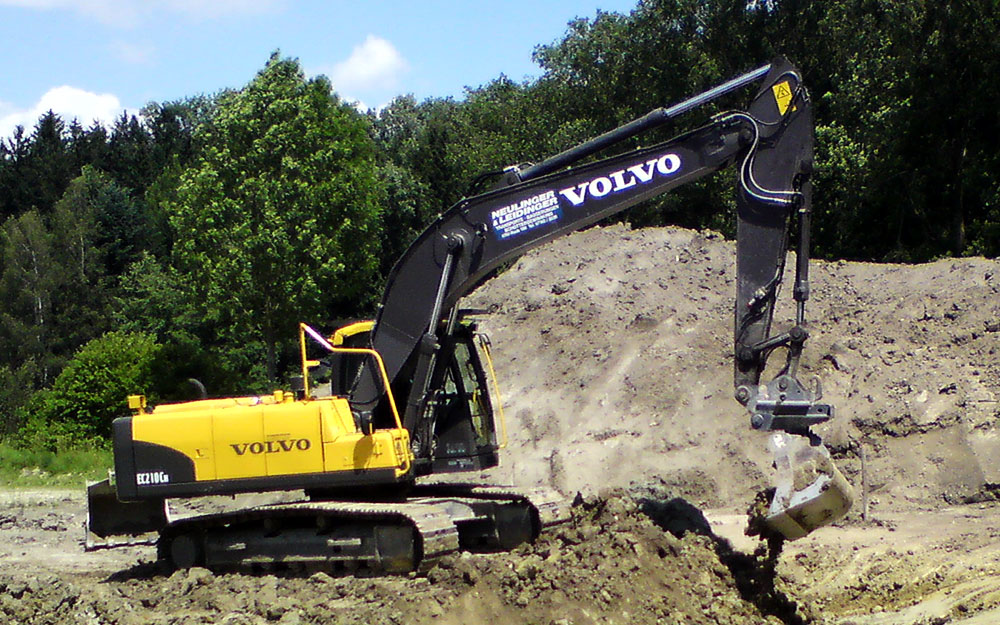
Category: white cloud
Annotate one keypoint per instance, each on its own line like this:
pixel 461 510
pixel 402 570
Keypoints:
pixel 69 103
pixel 132 13
pixel 373 65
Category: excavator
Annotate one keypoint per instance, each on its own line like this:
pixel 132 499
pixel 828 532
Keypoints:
pixel 413 395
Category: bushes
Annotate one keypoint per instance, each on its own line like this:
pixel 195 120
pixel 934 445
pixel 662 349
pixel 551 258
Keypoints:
pixel 91 391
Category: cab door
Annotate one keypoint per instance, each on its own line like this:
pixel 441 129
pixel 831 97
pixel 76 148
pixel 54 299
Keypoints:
pixel 465 424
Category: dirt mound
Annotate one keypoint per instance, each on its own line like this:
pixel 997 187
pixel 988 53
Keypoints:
pixel 616 563
pixel 613 348
pixel 612 563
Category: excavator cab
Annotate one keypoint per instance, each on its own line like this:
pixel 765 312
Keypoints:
pixel 462 408
pixel 344 367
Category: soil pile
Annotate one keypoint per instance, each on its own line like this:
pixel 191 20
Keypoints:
pixel 613 349
pixel 612 563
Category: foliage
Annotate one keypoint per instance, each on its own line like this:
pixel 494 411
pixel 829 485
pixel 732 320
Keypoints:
pixel 70 229
pixel 155 299
pixel 57 270
pixel 277 216
pixel 906 168
pixel 28 283
pixel 92 388
pixel 16 387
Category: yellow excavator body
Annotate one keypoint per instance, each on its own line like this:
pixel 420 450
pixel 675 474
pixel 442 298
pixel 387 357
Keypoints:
pixel 270 436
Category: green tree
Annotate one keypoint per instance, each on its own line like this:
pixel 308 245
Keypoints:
pixel 277 217
pixel 153 298
pixel 16 388
pixel 49 164
pixel 96 217
pixel 37 168
pixel 906 162
pixel 28 282
pixel 130 154
pixel 408 208
pixel 614 68
pixel 57 278
pixel 171 126
pixel 88 146
pixel 92 389
pixel 433 153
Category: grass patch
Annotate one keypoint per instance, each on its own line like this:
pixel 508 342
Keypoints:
pixel 68 467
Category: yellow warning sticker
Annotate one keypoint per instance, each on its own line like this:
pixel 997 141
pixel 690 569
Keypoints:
pixel 782 95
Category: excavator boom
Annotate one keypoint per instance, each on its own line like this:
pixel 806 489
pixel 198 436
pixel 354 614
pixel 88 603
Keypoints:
pixel 771 146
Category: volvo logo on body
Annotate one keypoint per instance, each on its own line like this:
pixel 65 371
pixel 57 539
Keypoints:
pixel 616 181
pixel 271 447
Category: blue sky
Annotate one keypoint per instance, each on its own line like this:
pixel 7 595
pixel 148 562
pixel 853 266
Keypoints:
pixel 93 59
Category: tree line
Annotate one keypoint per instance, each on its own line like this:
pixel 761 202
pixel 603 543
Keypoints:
pixel 185 242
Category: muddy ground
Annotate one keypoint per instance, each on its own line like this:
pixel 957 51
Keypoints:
pixel 612 347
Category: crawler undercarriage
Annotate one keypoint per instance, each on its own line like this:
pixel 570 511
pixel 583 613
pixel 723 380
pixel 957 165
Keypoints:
pixel 359 537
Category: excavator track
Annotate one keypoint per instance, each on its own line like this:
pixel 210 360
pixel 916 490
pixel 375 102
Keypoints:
pixel 364 537
pixel 547 506
pixel 343 537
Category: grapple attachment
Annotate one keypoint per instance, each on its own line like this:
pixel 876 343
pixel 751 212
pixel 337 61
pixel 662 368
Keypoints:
pixel 810 491
pixel 112 523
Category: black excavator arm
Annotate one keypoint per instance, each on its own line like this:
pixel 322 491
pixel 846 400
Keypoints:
pixel 770 144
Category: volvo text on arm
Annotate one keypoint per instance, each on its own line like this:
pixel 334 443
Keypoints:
pixel 543 208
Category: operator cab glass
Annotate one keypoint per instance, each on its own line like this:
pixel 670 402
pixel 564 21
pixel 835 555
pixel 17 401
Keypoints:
pixel 463 413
